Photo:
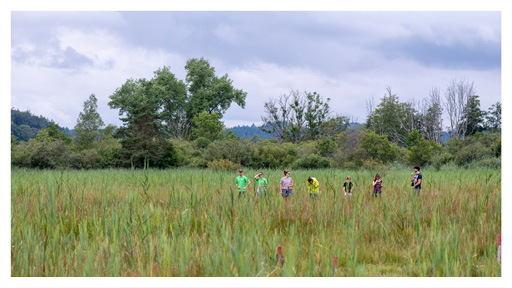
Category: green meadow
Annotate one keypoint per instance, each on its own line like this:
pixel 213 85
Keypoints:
pixel 191 222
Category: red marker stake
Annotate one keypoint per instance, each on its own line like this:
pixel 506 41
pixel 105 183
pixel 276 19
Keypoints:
pixel 499 248
pixel 335 260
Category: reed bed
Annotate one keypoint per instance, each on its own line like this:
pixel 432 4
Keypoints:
pixel 190 222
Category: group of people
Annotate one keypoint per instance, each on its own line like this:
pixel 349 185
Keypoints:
pixel 286 184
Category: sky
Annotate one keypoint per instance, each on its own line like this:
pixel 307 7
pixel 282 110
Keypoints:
pixel 59 58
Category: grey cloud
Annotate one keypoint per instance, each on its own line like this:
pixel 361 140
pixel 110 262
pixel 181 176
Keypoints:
pixel 364 49
pixel 70 59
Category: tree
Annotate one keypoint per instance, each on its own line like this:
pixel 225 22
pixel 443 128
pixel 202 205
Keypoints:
pixel 474 117
pixel 297 116
pixel 420 150
pixel 335 125
pixel 207 125
pixel 52 133
pixel 209 92
pixel 457 96
pixel 173 93
pixel 392 118
pixel 142 135
pixel 493 118
pixel 88 124
pixel 432 112
pixel 377 147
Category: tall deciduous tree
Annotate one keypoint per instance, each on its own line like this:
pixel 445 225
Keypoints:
pixel 173 94
pixel 89 123
pixel 458 94
pixel 296 116
pixel 208 92
pixel 432 121
pixel 392 118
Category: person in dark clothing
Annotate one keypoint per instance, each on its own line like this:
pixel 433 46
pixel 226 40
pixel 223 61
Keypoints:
pixel 347 187
pixel 377 185
pixel 416 180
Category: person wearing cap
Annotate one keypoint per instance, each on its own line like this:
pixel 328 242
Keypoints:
pixel 262 183
pixel 313 187
pixel 347 186
pixel 241 183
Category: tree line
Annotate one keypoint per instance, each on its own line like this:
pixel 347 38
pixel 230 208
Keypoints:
pixel 170 122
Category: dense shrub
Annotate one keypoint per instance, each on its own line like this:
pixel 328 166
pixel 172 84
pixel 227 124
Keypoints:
pixel 472 152
pixel 235 150
pixel 312 161
pixel 272 154
pixel 223 164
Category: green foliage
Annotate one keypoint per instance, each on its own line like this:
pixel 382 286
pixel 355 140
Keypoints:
pixel 23 132
pixel 378 147
pixel 202 142
pixel 471 152
pixel 237 151
pixel 420 150
pixel 493 118
pixel 25 126
pixel 42 155
pixel 474 148
pixel 390 118
pixel 142 135
pixel 299 116
pixel 441 158
pixel 312 161
pixel 209 92
pixel 52 133
pixel 173 93
pixel 207 125
pixel 272 154
pixel 474 120
pixel 223 165
pixel 88 124
pixel 326 147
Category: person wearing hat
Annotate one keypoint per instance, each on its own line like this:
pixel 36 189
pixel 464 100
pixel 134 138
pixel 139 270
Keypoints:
pixel 262 183
pixel 241 183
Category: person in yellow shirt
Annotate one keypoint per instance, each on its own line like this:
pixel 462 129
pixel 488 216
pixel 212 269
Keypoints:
pixel 313 187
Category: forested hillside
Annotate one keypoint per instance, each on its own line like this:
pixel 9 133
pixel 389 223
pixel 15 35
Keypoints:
pixel 25 125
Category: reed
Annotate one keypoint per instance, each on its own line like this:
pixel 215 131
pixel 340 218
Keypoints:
pixel 188 222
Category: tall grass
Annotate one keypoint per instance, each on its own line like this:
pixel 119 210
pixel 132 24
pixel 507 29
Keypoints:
pixel 187 222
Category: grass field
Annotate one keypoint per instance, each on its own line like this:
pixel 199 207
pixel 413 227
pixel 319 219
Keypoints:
pixel 192 223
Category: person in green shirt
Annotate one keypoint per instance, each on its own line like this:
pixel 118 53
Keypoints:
pixel 241 183
pixel 313 187
pixel 262 183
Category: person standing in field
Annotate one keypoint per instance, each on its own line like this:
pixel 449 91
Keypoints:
pixel 286 184
pixel 262 184
pixel 377 185
pixel 347 186
pixel 241 183
pixel 313 187
pixel 416 180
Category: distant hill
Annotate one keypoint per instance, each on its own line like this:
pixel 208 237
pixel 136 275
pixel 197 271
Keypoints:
pixel 249 131
pixel 26 125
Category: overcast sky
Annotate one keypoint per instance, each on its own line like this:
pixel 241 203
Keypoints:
pixel 60 58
